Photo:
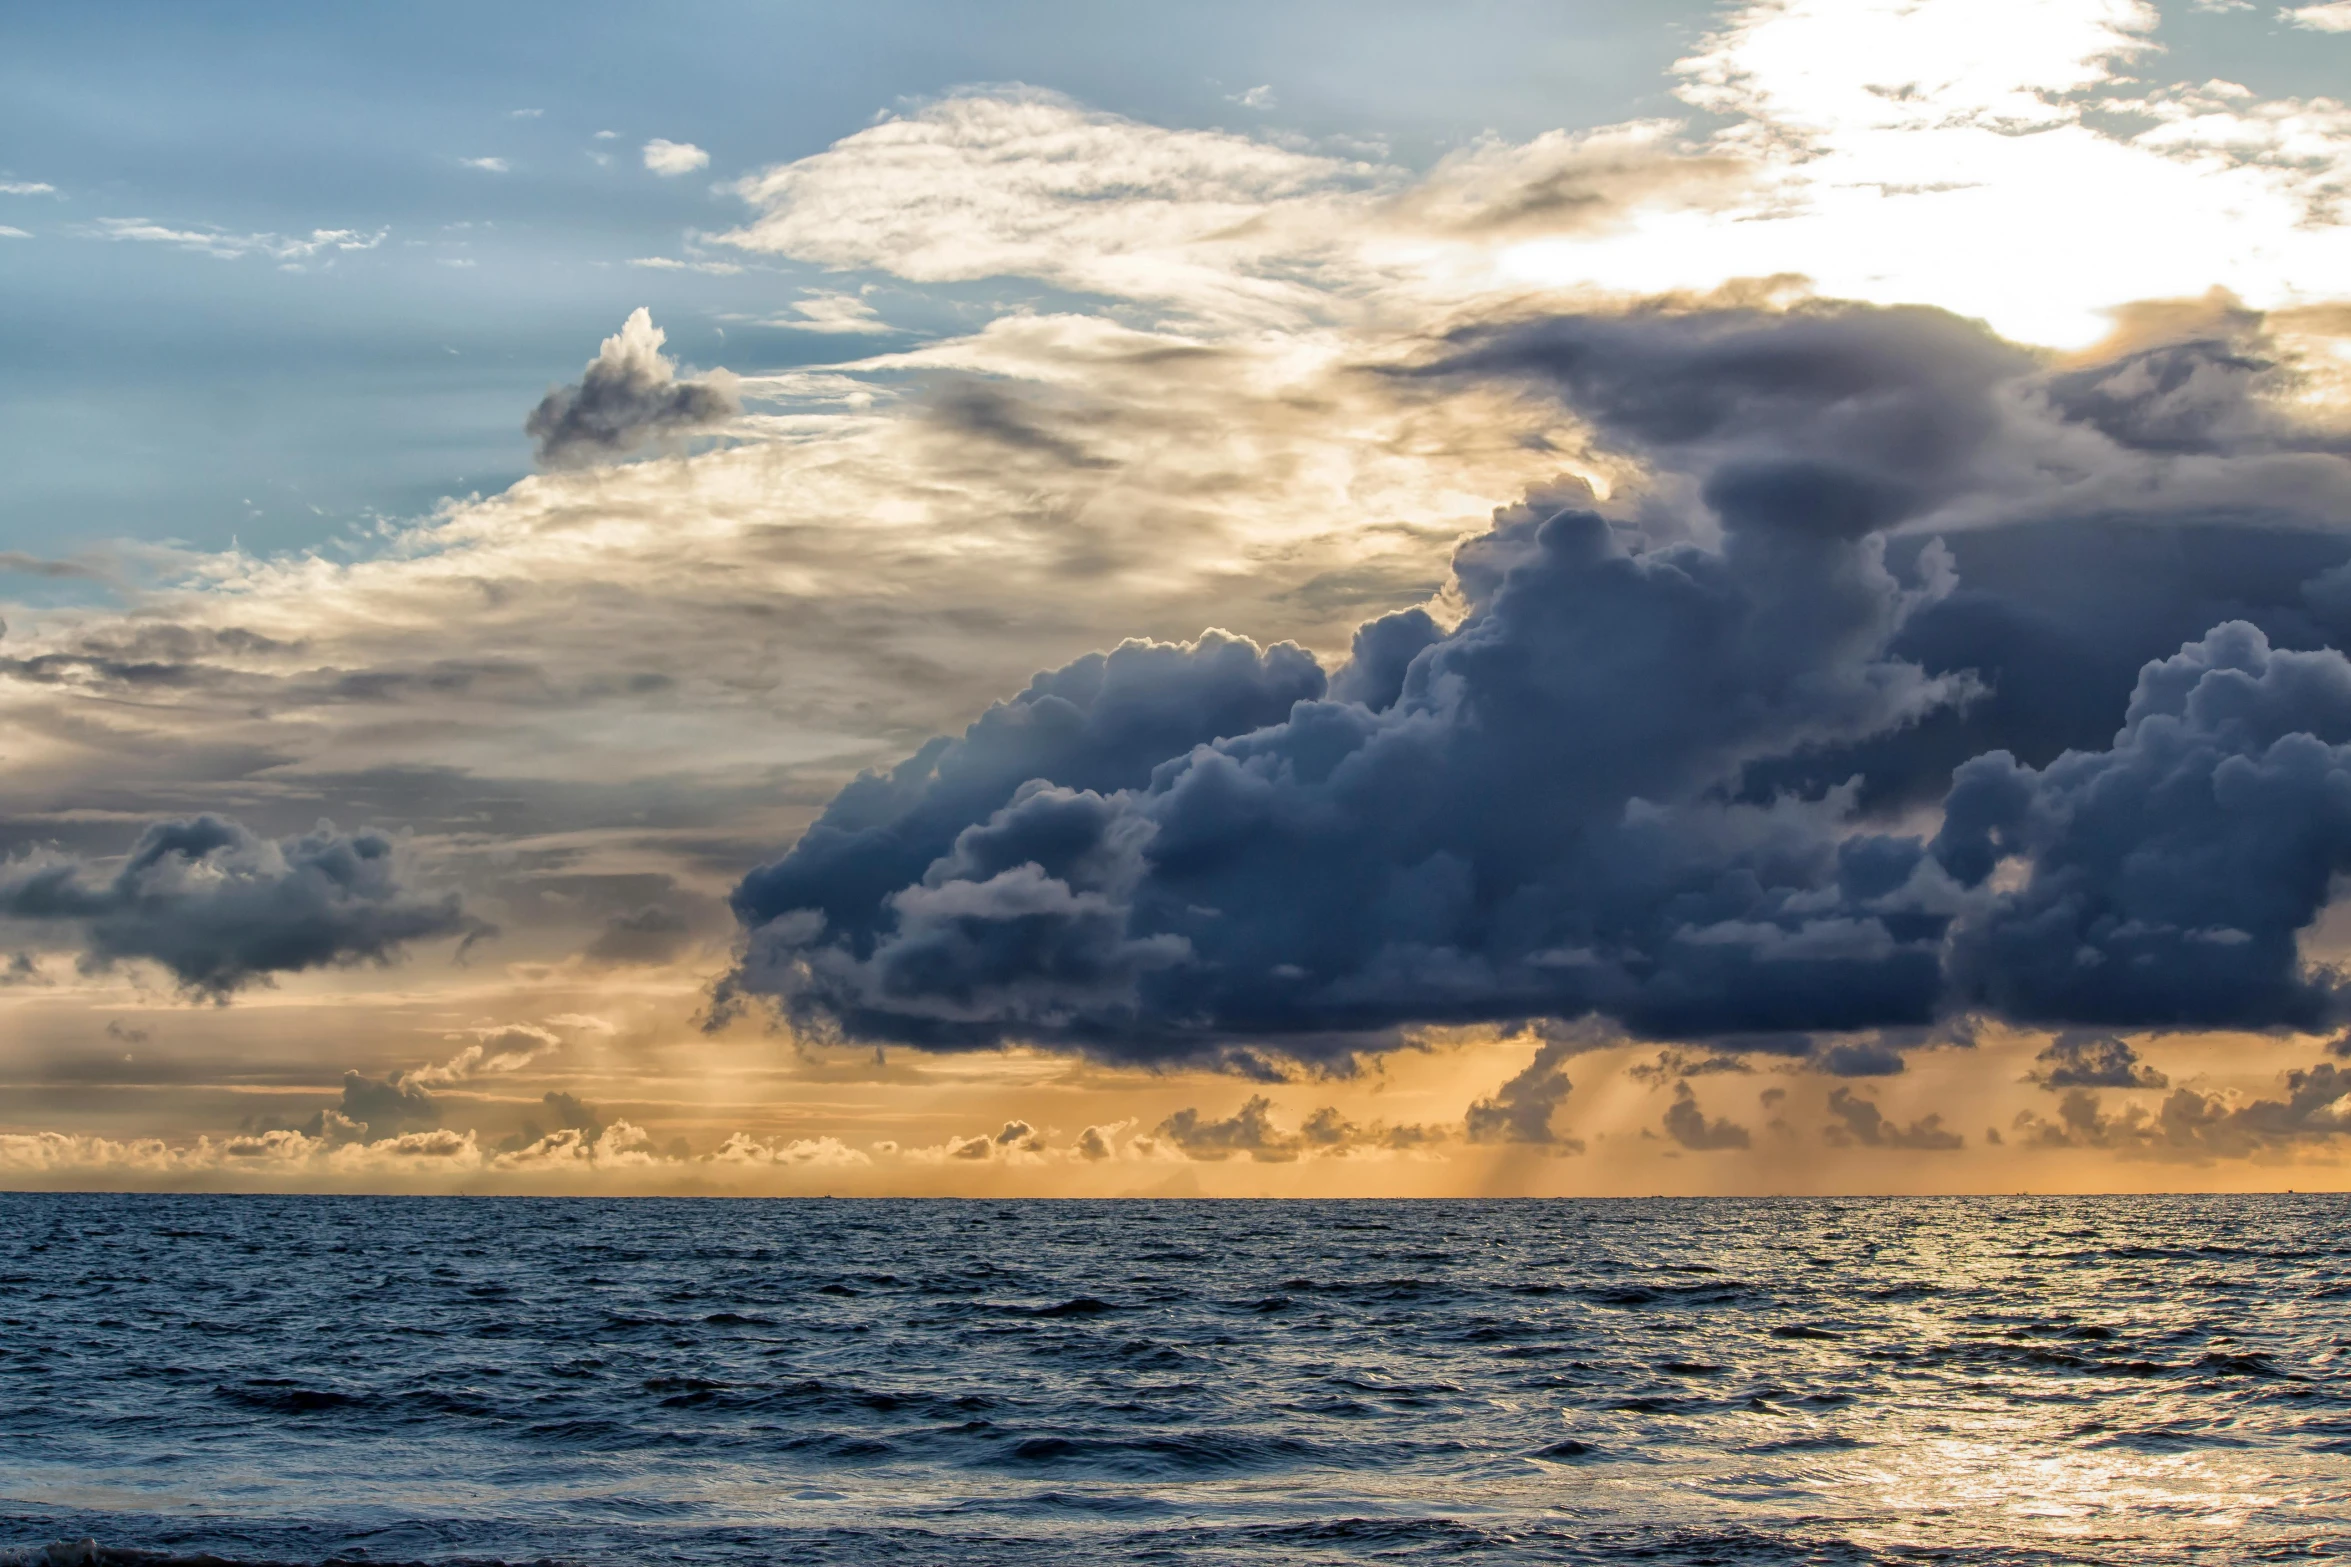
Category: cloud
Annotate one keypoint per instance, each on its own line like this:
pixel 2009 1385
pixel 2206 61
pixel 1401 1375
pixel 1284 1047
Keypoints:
pixel 1520 1111
pixel 221 908
pixel 1252 1130
pixel 672 264
pixel 2094 1061
pixel 652 934
pixel 508 1048
pixel 1249 1130
pixel 629 396
pixel 55 570
pixel 2166 879
pixel 1687 1125
pixel 1343 870
pixel 487 165
pixel 1858 1058
pixel 1860 1122
pixel 229 247
pixel 571 1114
pixel 834 312
pixel 1097 1143
pixel 709 650
pixel 7 232
pixel 370 1110
pixel 671 158
pixel 27 188
pixel 1033 185
pixel 795 1153
pixel 2200 1127
pixel 282 1153
pixel 2332 17
pixel 1675 1065
pixel 1634 779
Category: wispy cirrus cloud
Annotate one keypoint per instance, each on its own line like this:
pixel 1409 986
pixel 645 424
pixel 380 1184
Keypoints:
pixel 230 246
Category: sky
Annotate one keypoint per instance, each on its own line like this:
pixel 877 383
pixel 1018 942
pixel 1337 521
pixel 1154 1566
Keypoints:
pixel 1294 600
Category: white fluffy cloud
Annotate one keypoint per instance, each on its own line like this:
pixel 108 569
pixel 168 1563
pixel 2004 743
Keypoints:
pixel 2332 17
pixel 671 158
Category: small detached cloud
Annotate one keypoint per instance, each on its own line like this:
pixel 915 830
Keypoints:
pixel 2093 1061
pixel 2333 17
pixel 8 232
pixel 508 1048
pixel 1687 1125
pixel 1860 1122
pixel 488 165
pixel 631 395
pixel 27 188
pixel 673 264
pixel 222 908
pixel 672 158
pixel 833 312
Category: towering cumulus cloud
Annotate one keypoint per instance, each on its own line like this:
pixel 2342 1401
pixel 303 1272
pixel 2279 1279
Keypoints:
pixel 221 908
pixel 629 396
pixel 1667 767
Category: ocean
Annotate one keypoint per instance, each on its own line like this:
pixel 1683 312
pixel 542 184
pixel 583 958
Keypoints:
pixel 2027 1379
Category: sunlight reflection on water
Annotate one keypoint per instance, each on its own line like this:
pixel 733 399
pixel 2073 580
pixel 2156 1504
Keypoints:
pixel 2097 1380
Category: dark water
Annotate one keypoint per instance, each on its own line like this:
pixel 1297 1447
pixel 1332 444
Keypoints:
pixel 1979 1380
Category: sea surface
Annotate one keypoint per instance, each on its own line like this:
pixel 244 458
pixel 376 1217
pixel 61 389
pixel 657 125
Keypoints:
pixel 442 1380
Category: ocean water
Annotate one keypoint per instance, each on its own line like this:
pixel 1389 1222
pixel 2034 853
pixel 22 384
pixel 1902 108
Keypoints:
pixel 439 1380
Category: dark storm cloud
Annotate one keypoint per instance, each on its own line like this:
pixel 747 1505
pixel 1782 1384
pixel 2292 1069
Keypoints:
pixel 1858 1058
pixel 1525 831
pixel 1908 399
pixel 1637 780
pixel 631 395
pixel 2172 874
pixel 222 908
